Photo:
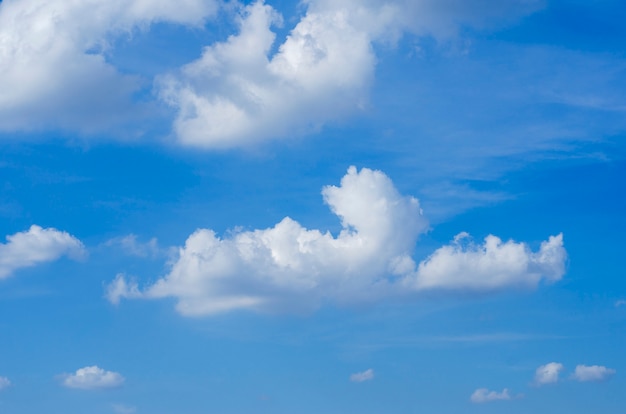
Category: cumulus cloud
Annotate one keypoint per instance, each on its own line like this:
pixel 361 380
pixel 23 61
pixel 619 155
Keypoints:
pixel 239 93
pixel 584 373
pixel 483 395
pixel 290 268
pixel 464 265
pixel 53 66
pixel 4 383
pixel 91 378
pixel 548 374
pixel 37 245
pixel 366 375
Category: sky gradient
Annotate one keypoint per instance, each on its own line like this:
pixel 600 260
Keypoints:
pixel 403 206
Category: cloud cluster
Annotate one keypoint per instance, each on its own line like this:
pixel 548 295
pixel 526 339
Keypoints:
pixel 93 377
pixel 549 373
pixel 483 395
pixel 290 268
pixel 53 66
pixel 37 245
pixel 238 92
pixel 366 375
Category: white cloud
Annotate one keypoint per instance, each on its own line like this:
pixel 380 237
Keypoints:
pixel 4 383
pixel 620 302
pixel 290 268
pixel 483 395
pixel 548 374
pixel 366 375
pixel 35 246
pixel 53 68
pixel 121 288
pixel 494 265
pixel 236 93
pixel 93 377
pixel 584 373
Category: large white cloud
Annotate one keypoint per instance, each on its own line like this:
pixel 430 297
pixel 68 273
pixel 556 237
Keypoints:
pixel 288 267
pixel 92 377
pixel 548 373
pixel 53 70
pixel 37 245
pixel 237 93
pixel 585 373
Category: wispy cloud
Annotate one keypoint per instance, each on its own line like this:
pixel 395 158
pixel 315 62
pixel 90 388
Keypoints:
pixel 483 395
pixel 366 375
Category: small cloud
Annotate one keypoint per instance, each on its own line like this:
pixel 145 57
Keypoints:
pixel 35 246
pixel 585 373
pixel 4 383
pixel 366 375
pixel 120 288
pixel 548 374
pixel 620 302
pixel 123 409
pixel 483 395
pixel 90 378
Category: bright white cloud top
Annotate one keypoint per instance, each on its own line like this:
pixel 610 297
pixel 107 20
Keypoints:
pixel 237 93
pixel 91 378
pixel 4 383
pixel 586 373
pixel 291 268
pixel 366 375
pixel 548 373
pixel 35 246
pixel 52 57
pixel 483 395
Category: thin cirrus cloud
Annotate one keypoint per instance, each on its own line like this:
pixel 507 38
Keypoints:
pixel 35 246
pixel 53 58
pixel 548 373
pixel 236 93
pixel 366 375
pixel 91 378
pixel 4 383
pixel 289 268
pixel 596 373
pixel 483 395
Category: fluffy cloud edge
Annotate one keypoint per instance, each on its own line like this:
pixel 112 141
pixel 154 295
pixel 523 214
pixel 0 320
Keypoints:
pixel 35 246
pixel 92 378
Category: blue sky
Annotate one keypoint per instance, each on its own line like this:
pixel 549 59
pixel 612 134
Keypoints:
pixel 317 207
